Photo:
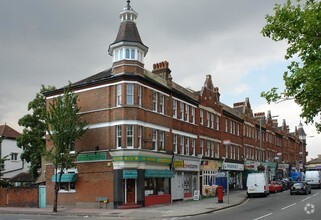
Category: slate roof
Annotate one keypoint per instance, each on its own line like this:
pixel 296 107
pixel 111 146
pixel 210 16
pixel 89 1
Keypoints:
pixel 105 74
pixel 8 132
pixel 128 32
pixel 22 177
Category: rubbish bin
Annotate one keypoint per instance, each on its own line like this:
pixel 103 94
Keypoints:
pixel 220 194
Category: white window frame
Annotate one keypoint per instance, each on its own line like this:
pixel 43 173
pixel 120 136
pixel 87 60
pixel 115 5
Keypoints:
pixel 118 96
pixel 155 147
pixel 201 116
pixel 129 136
pixel 187 146
pixel 139 135
pixel 139 95
pixel 202 147
pixel 155 101
pixel 193 115
pixel 182 144
pixel 212 120
pixel 208 148
pixel 217 122
pixel 130 94
pixel 186 112
pixel 175 143
pixel 118 136
pixel 175 108
pixel 162 104
pixel 162 140
pixel 181 110
pixel 194 146
pixel 208 115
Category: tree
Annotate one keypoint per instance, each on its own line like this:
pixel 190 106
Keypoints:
pixel 64 127
pixel 32 140
pixel 300 25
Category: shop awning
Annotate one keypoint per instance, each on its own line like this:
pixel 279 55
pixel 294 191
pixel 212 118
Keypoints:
pixel 159 173
pixel 130 174
pixel 65 178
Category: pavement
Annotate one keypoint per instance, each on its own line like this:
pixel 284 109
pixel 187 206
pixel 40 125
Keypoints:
pixel 165 211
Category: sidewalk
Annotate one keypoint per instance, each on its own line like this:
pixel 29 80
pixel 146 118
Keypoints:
pixel 176 209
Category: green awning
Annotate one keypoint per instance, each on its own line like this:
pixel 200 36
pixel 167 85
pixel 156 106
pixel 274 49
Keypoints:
pixel 65 178
pixel 159 173
pixel 130 174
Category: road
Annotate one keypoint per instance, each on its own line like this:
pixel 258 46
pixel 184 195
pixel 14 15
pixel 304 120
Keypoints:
pixel 274 207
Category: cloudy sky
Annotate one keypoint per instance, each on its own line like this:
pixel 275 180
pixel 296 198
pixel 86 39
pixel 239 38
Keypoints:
pixel 52 42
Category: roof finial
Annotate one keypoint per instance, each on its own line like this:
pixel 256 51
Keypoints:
pixel 128 4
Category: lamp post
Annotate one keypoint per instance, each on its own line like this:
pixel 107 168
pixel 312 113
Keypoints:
pixel 303 138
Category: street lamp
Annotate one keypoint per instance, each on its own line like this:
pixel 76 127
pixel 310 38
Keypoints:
pixel 303 138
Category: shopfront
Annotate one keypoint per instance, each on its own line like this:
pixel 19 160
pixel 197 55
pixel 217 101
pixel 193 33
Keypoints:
pixel 141 178
pixel 186 175
pixel 235 174
pixel 282 171
pixel 209 169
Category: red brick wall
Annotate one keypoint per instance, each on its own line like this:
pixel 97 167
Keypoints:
pixel 19 197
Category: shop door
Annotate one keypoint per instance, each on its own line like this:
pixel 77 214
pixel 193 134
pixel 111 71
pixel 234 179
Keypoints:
pixel 177 187
pixel 130 191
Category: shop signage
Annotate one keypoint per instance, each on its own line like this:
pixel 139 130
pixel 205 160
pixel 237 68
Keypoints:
pixel 233 166
pixel 211 165
pixel 188 165
pixel 142 159
pixel 283 166
pixel 91 157
pixel 251 165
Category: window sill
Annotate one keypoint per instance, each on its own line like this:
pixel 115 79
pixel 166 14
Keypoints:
pixel 64 191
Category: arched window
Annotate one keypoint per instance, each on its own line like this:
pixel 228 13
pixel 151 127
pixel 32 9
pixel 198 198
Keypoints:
pixel 132 54
pixel 127 53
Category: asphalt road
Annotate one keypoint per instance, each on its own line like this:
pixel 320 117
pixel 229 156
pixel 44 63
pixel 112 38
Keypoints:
pixel 276 206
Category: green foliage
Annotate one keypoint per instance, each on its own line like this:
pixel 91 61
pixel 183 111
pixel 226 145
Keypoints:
pixel 32 138
pixel 299 24
pixel 64 127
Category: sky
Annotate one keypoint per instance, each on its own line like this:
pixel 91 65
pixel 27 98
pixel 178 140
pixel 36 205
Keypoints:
pixel 53 42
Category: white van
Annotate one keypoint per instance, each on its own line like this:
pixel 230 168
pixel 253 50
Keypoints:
pixel 257 184
pixel 313 177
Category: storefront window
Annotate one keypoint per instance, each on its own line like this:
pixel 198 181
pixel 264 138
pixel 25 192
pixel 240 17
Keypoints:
pixel 156 186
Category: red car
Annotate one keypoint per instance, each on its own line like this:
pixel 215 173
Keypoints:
pixel 275 187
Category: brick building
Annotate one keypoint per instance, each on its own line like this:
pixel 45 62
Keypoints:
pixel 151 141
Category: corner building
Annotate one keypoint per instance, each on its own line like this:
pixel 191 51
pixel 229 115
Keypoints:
pixel 150 141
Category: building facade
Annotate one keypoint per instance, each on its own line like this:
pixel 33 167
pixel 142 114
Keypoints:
pixel 152 141
pixel 13 165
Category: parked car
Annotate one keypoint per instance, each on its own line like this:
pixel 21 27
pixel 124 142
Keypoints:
pixel 289 181
pixel 257 184
pixel 283 184
pixel 275 187
pixel 300 187
pixel 313 177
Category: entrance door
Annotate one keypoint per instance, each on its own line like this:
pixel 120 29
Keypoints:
pixel 131 191
pixel 177 187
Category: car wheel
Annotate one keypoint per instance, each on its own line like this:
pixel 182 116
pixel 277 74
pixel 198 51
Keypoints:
pixel 306 192
pixel 291 193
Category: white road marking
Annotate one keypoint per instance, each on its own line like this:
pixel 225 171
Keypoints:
pixel 316 194
pixel 263 216
pixel 288 206
pixel 306 199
